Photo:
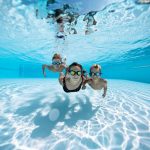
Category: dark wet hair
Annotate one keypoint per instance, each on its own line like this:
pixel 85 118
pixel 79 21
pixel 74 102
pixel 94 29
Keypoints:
pixel 75 64
pixel 58 12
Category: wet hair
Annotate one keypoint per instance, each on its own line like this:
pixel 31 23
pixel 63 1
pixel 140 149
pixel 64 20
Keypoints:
pixel 58 12
pixel 60 20
pixel 75 64
pixel 56 56
pixel 96 66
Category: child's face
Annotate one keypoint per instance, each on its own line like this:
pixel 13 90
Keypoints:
pixel 56 63
pixel 75 73
pixel 95 73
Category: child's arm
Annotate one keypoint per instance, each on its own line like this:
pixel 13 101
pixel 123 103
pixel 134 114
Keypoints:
pixel 44 67
pixel 61 77
pixel 85 82
pixel 105 88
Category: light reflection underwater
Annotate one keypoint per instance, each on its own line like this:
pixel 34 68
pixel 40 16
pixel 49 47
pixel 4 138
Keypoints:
pixel 38 114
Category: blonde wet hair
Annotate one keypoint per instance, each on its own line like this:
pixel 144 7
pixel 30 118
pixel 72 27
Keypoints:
pixel 57 56
pixel 96 66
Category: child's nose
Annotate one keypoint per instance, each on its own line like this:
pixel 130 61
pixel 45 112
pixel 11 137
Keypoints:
pixel 76 75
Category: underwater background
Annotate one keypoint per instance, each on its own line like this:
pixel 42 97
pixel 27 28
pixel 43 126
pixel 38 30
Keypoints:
pixel 121 44
pixel 35 112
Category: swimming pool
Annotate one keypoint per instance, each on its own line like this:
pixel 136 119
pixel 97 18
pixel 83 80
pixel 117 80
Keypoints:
pixel 35 112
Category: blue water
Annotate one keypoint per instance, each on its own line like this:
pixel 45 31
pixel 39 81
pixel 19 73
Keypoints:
pixel 120 45
pixel 35 113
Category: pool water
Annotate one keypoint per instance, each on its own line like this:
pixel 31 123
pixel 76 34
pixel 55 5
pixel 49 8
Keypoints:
pixel 35 112
pixel 38 114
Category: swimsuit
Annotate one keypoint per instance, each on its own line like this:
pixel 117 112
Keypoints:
pixel 67 90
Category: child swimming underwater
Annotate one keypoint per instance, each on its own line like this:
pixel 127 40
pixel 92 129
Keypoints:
pixel 95 81
pixel 57 64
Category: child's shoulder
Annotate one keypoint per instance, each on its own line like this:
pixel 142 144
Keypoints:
pixel 103 80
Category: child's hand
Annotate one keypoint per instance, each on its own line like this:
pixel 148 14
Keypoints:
pixel 83 87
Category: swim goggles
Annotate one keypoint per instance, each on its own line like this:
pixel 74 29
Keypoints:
pixel 73 73
pixel 56 63
pixel 95 73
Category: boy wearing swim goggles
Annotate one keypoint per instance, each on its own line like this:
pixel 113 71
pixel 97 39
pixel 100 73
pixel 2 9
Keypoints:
pixel 56 66
pixel 95 81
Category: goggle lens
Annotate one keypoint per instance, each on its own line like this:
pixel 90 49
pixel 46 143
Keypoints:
pixel 56 63
pixel 73 73
pixel 95 74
